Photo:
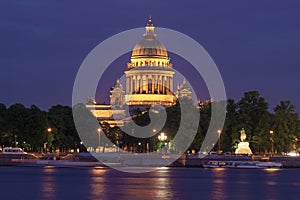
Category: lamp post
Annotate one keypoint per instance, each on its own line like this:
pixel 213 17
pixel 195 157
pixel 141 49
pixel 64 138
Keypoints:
pixel 151 141
pixel 49 130
pixel 162 137
pixel 219 140
pixel 99 132
pixel 272 141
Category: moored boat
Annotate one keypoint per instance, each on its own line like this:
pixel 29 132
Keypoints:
pixel 242 164
pixel 215 164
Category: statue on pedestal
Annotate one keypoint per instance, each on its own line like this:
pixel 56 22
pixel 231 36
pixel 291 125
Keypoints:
pixel 243 135
pixel 243 147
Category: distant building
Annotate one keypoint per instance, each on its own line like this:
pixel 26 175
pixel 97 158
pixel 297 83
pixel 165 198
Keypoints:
pixel 184 91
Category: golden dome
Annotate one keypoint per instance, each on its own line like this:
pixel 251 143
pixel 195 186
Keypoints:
pixel 149 46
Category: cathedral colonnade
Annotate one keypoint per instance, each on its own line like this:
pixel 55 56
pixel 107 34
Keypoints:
pixel 149 84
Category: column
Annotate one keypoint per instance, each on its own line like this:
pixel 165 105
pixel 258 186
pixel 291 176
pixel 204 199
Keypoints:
pixel 141 85
pixel 127 85
pixel 163 84
pixel 171 84
pixel 160 84
pixel 136 85
pixel 167 84
pixel 129 88
pixel 146 88
pixel 153 84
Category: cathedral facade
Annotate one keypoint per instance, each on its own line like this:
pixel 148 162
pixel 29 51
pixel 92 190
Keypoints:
pixel 149 81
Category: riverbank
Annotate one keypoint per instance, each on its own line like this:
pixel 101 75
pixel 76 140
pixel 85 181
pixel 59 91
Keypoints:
pixel 115 159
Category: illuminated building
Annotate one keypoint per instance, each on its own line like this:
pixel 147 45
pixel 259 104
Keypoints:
pixel 149 81
pixel 149 75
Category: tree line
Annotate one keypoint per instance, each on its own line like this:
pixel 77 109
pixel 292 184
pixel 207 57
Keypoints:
pixel 36 130
pixel 274 131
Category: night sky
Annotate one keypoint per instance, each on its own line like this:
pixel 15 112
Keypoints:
pixel 255 44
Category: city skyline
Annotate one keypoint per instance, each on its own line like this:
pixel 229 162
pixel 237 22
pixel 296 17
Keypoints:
pixel 254 45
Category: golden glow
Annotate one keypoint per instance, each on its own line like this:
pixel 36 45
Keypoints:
pixel 48 167
pixel 49 130
pixel 149 99
pixel 219 183
pixel 162 137
pixel 219 169
pixel 97 182
pixel 271 169
pixel 48 186
pixel 149 77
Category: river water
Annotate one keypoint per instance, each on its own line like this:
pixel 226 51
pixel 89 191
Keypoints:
pixel 164 183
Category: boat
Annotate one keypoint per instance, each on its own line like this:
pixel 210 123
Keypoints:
pixel 215 164
pixel 13 150
pixel 254 164
pixel 242 164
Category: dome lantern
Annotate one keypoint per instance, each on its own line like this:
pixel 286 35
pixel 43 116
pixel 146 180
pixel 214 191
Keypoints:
pixel 149 47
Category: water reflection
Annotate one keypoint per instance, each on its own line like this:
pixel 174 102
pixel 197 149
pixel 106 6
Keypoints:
pixel 108 183
pixel 97 182
pixel 162 184
pixel 218 183
pixel 271 191
pixel 47 190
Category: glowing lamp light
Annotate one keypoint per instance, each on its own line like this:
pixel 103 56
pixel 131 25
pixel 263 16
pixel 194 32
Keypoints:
pixel 162 137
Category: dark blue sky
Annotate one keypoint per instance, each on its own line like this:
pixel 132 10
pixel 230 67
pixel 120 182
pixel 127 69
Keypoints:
pixel 255 44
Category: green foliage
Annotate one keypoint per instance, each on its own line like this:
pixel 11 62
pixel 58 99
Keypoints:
pixel 285 126
pixel 27 127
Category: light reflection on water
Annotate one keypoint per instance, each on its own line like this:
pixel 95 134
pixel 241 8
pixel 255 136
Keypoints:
pixel 48 190
pixel 219 183
pixel 97 183
pixel 165 183
pixel 105 183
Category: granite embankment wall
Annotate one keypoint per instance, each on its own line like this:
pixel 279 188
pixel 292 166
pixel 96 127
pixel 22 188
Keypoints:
pixel 195 161
pixel 287 162
pixel 183 161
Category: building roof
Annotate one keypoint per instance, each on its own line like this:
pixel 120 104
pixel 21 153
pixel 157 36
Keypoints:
pixel 149 46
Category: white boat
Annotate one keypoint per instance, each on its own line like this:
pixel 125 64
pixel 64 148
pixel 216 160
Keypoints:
pixel 242 164
pixel 12 150
pixel 253 164
pixel 269 165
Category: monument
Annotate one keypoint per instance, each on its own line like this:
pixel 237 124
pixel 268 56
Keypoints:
pixel 243 147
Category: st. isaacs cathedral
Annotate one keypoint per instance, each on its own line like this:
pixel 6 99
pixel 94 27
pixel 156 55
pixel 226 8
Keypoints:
pixel 149 81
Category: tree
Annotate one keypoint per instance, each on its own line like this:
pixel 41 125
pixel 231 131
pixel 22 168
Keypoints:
pixel 231 127
pixel 64 133
pixel 2 124
pixel 35 129
pixel 16 118
pixel 286 126
pixel 252 116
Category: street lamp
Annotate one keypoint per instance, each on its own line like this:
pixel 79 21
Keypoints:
pixel 49 130
pixel 99 132
pixel 219 140
pixel 162 137
pixel 272 141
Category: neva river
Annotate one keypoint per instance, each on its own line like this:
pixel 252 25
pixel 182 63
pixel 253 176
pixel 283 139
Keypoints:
pixel 165 183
